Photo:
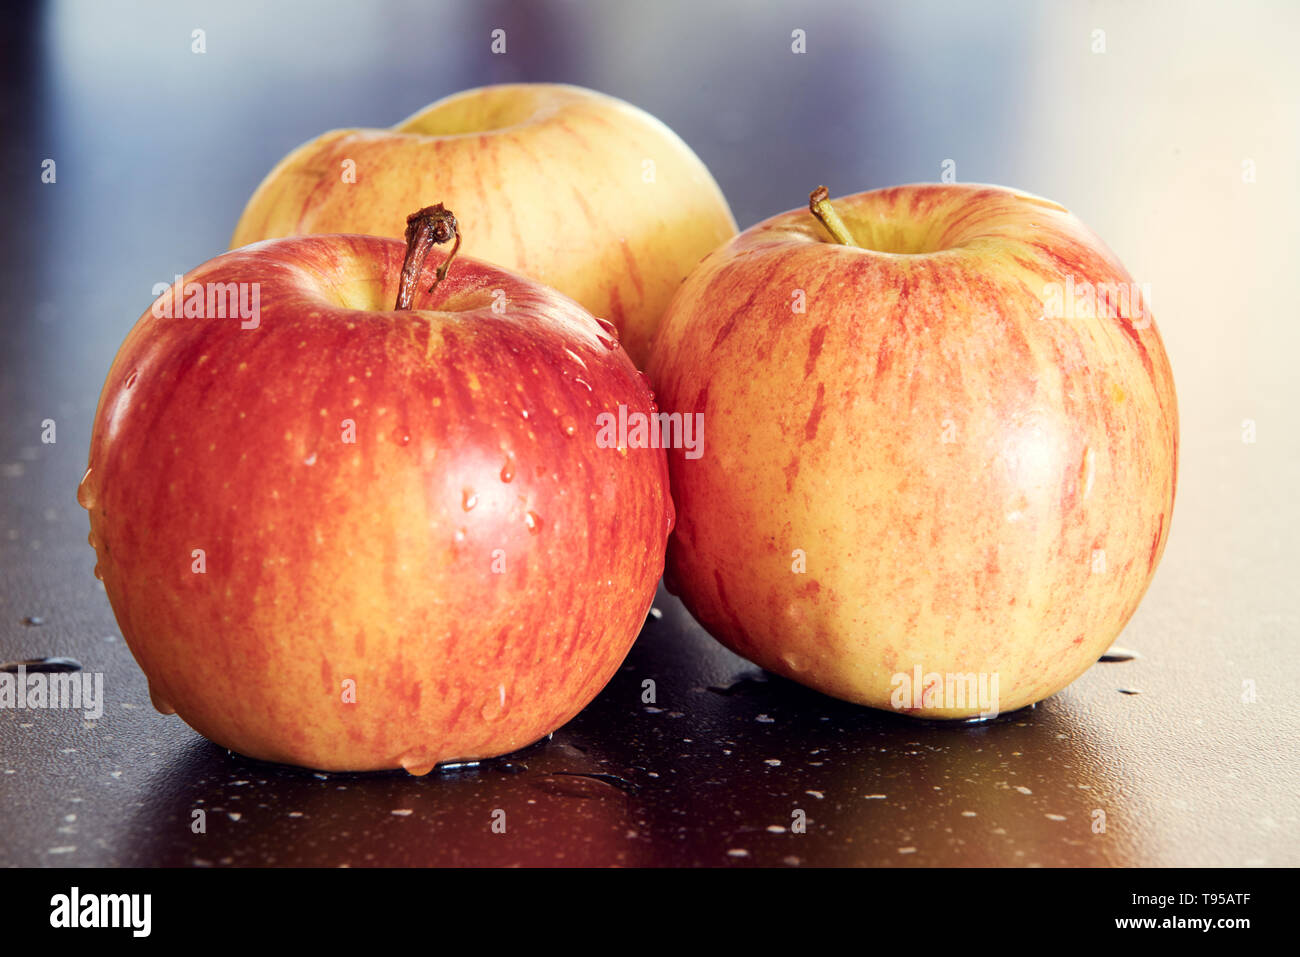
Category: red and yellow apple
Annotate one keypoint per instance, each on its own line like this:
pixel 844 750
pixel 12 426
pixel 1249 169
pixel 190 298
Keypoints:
pixel 944 444
pixel 353 537
pixel 574 188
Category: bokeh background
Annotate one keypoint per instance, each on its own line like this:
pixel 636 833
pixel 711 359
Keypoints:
pixel 1172 129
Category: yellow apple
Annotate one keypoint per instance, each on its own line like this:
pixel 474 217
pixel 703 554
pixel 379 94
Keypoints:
pixel 576 189
pixel 939 450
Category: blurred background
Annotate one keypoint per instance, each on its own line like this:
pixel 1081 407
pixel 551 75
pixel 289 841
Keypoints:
pixel 1172 129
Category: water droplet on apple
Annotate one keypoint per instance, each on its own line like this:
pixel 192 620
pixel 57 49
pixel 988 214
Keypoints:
pixel 533 521
pixel 460 535
pixel 568 426
pixel 97 573
pixel 417 765
pixel 401 436
pixel 130 380
pixel 468 499
pixel 583 382
pixel 160 704
pixel 508 470
pixel 575 357
pixel 524 413
pixel 610 330
pixel 496 705
pixel 310 460
pixel 87 494
pixel 793 662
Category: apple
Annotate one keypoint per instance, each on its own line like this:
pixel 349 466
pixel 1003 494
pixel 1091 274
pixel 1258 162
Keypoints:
pixel 576 189
pixel 355 537
pixel 941 447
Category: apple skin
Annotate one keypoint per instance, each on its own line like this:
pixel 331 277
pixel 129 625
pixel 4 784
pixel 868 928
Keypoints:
pixel 547 179
pixel 373 560
pixel 825 431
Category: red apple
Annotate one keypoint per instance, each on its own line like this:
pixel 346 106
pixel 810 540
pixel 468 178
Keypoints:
pixel 926 459
pixel 353 537
pixel 579 190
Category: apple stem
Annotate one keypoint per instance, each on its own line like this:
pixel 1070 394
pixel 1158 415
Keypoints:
pixel 429 227
pixel 820 205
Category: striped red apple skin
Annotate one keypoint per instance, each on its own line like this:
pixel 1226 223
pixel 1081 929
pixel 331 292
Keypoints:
pixel 473 562
pixel 578 190
pixel 976 488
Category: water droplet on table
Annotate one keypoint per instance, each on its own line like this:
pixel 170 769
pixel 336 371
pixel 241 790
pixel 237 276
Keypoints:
pixel 457 766
pixel 581 785
pixel 51 665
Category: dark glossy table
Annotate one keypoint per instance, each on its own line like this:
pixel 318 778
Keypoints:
pixel 1187 753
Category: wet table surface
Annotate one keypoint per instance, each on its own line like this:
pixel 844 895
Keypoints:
pixel 1184 755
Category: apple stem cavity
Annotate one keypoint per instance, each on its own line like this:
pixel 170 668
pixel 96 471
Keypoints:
pixel 430 227
pixel 820 205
